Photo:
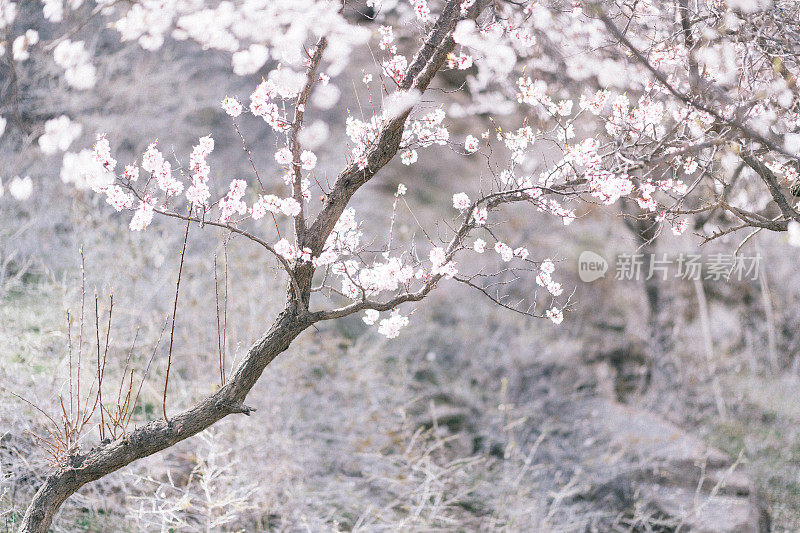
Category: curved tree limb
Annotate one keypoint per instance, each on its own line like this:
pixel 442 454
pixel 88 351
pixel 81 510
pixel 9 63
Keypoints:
pixel 161 434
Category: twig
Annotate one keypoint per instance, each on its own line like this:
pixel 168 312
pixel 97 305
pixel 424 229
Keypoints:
pixel 219 329
pixel 99 376
pixel 174 312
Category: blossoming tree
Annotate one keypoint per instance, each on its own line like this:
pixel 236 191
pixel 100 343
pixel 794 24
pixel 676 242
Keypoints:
pixel 687 109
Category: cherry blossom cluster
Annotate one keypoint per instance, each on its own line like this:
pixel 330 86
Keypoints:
pixel 97 172
pixel 606 179
pixel 21 43
pixel 232 202
pixel 471 144
pixel 365 280
pixel 269 203
pixel 369 281
pixel 387 38
pixel 517 142
pixel 59 134
pixel 647 120
pixel 390 326
pixel 422 133
pixel 19 188
pixel 252 32
pixel 366 277
pixel 422 10
pixel 76 62
pixel 395 67
pixel 492 54
pixel 8 14
pixel 262 106
pixel 82 170
pixel 362 135
pixel 20 48
pixel 198 192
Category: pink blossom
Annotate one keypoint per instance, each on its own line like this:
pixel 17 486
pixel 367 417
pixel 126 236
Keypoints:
pixel 422 10
pixel 471 144
pixel 554 288
pixel 21 188
pixel 165 181
pixel 505 251
pixel 479 216
pixel 264 204
pixel 395 67
pixel 232 203
pixel 131 173
pixel 206 145
pixel 286 250
pixel 596 102
pixel 152 158
pixel 59 133
pixel 118 198
pixel 440 267
pixel 325 258
pixel 461 201
pixel 290 207
pixel 555 315
pixel 459 62
pixel 308 160
pixel 390 327
pixel 283 156
pixel 232 106
pixel 143 215
pixel 387 36
pixel 408 157
pixel 448 270
pixel 680 227
pixel 371 316
pixel 102 152
pixel 198 193
pixel 437 256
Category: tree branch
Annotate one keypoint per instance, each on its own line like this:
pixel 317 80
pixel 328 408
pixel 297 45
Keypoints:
pixel 297 125
pixel 161 434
